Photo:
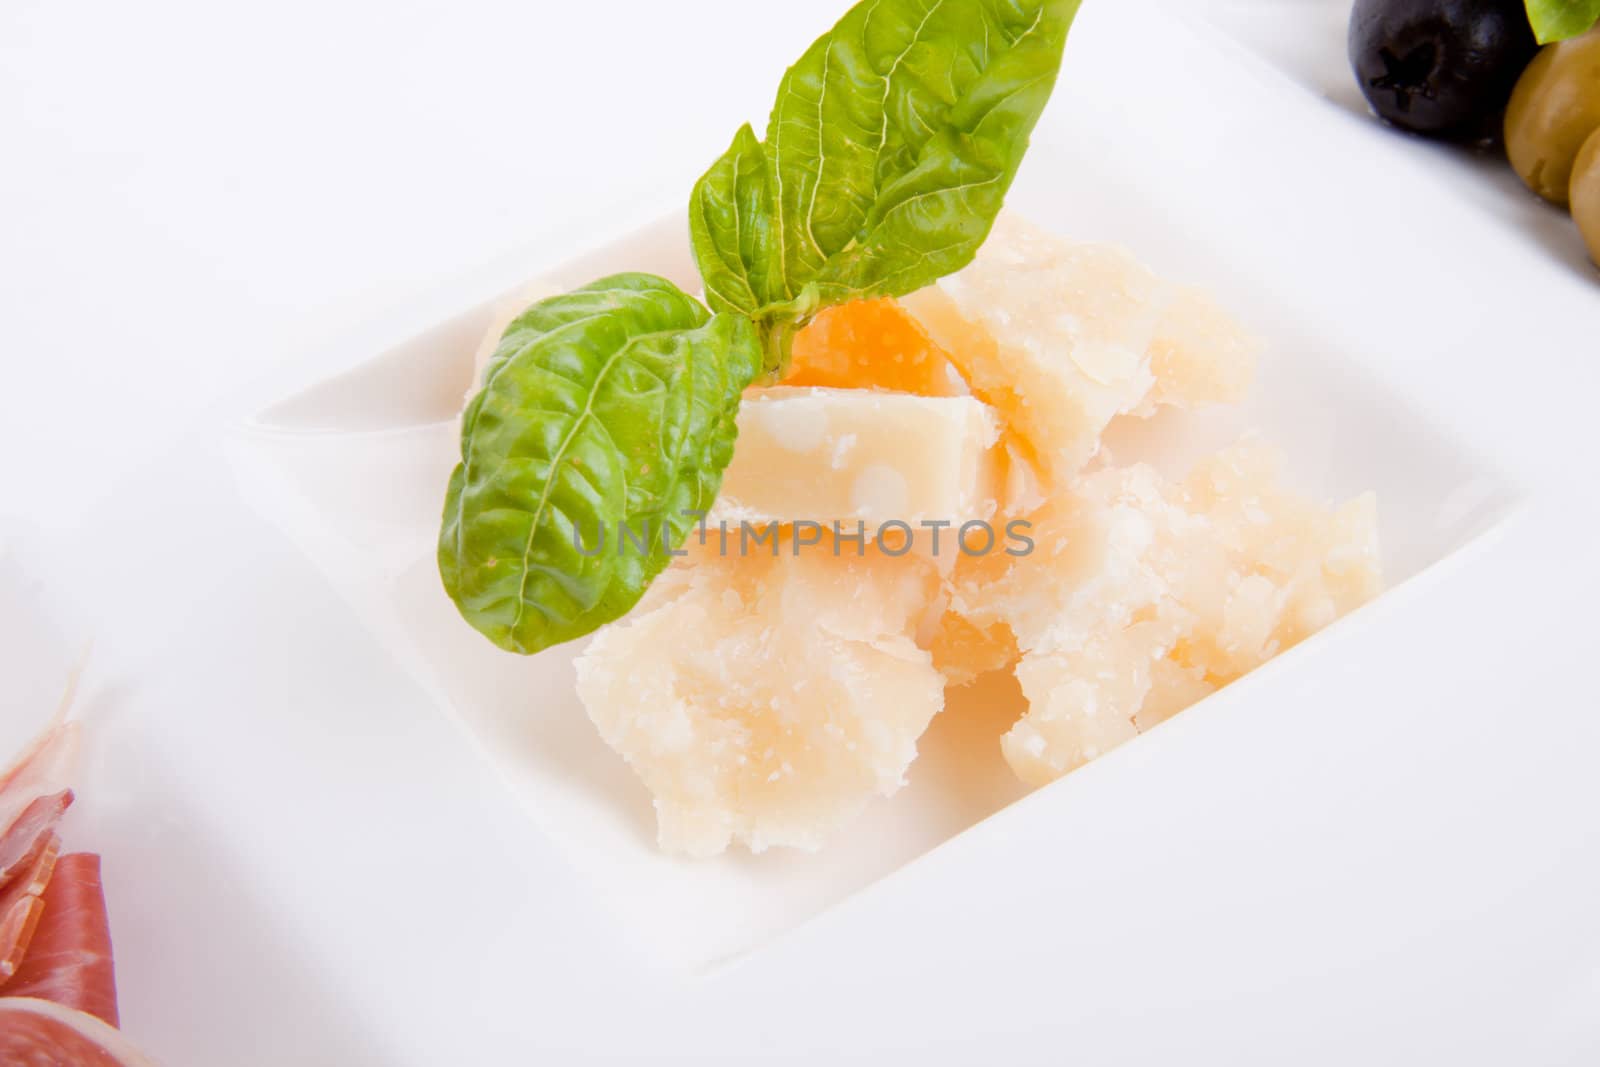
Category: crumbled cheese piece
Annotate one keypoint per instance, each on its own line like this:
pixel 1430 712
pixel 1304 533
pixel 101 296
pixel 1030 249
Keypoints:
pixel 1143 596
pixel 963 650
pixel 1082 700
pixel 1060 338
pixel 772 718
pixel 827 454
pixel 1303 564
pixel 1200 355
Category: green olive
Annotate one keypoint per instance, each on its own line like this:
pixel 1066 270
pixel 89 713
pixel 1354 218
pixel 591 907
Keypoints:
pixel 1555 106
pixel 1586 194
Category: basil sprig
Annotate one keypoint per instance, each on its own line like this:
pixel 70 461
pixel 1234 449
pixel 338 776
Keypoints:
pixel 611 410
pixel 1558 20
pixel 888 154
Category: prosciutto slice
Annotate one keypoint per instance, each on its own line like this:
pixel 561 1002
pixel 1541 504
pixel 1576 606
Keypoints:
pixel 21 906
pixel 69 959
pixel 20 842
pixel 46 768
pixel 58 991
pixel 37 1033
pixel 33 797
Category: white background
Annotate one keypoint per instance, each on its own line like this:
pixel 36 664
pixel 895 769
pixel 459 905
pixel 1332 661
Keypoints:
pixel 199 202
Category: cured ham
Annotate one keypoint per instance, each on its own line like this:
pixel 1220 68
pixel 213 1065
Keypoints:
pixel 21 906
pixel 69 959
pixel 20 842
pixel 17 927
pixel 58 990
pixel 38 1032
pixel 34 794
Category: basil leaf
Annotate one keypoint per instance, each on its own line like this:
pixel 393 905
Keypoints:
pixel 888 155
pixel 731 222
pixel 896 136
pixel 613 404
pixel 1558 20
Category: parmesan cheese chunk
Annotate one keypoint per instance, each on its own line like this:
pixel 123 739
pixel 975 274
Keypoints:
pixel 1142 596
pixel 1199 355
pixel 824 454
pixel 1060 338
pixel 765 700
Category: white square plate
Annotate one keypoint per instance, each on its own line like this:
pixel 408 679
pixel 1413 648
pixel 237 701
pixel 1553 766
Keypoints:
pixel 353 470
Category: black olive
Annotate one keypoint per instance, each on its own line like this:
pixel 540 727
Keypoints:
pixel 1444 68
